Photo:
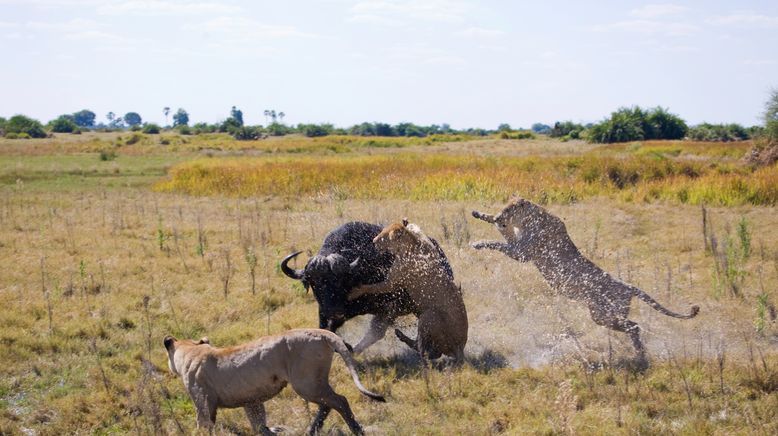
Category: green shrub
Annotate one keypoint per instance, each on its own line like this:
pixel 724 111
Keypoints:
pixel 245 133
pixel 184 130
pixel 718 132
pixel 315 130
pixel 135 128
pixel 164 141
pixel 12 135
pixel 134 138
pixel 566 128
pixel 151 129
pixel 22 124
pixel 106 155
pixel 636 124
pixel 63 124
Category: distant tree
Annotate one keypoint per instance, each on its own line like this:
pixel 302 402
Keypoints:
pixel 267 116
pixel 110 117
pixel 281 116
pixel 151 128
pixel 63 124
pixel 771 118
pixel 504 127
pixel 567 129
pixel 314 130
pixel 661 124
pixel 19 124
pixel 771 107
pixel 166 111
pixel 635 124
pixel 540 128
pixel 237 115
pixel 180 118
pixel 718 132
pixel 132 119
pixel 3 121
pixel 84 118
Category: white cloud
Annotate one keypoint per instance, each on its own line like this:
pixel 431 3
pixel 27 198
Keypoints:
pixel 248 30
pixel 399 11
pixel 760 62
pixel 166 7
pixel 650 27
pixel 658 10
pixel 745 19
pixel 480 32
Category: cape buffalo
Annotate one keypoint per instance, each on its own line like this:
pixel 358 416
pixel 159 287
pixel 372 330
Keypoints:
pixel 347 259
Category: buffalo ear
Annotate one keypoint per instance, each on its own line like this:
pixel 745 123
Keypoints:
pixel 204 340
pixel 405 222
pixel 169 341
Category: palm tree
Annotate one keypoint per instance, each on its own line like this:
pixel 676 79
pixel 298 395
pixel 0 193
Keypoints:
pixel 110 116
pixel 281 115
pixel 166 111
pixel 273 115
pixel 267 114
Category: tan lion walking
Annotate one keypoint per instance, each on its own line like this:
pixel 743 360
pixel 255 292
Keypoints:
pixel 247 375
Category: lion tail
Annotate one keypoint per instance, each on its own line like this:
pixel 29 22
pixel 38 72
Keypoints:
pixel 659 308
pixel 341 347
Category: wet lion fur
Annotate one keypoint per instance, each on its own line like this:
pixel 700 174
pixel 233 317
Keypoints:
pixel 532 234
pixel 419 269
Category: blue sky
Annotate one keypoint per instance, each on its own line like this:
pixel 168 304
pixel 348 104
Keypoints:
pixel 466 63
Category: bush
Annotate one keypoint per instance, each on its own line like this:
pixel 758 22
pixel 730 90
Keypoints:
pixel 201 128
pixel 106 155
pixel 718 132
pixel 636 124
pixel 245 133
pixel 184 130
pixel 566 128
pixel 21 124
pixel 11 135
pixel 135 128
pixel 151 129
pixel 63 124
pixel 517 135
pixel 133 139
pixel 314 130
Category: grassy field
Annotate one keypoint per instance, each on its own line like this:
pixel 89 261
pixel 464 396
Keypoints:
pixel 105 257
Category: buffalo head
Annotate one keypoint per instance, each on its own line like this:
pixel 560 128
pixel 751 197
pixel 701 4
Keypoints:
pixel 331 277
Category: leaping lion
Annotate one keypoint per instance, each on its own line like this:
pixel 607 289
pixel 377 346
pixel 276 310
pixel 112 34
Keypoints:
pixel 534 235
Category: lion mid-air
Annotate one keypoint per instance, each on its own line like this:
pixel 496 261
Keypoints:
pixel 534 235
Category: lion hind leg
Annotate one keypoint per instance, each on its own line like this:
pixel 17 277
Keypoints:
pixel 328 399
pixel 257 417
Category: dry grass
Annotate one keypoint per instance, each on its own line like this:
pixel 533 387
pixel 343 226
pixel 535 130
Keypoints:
pixel 103 254
pixel 97 277
pixel 445 177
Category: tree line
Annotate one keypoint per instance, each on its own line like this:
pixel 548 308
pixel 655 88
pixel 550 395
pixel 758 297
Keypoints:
pixel 625 124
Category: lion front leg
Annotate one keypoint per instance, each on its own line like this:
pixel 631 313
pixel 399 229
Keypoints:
pixel 510 250
pixel 376 288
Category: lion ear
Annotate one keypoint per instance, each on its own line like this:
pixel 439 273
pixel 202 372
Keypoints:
pixel 204 340
pixel 405 222
pixel 169 341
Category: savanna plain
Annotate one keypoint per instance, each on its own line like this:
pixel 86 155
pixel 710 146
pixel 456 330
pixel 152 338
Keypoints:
pixel 110 241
